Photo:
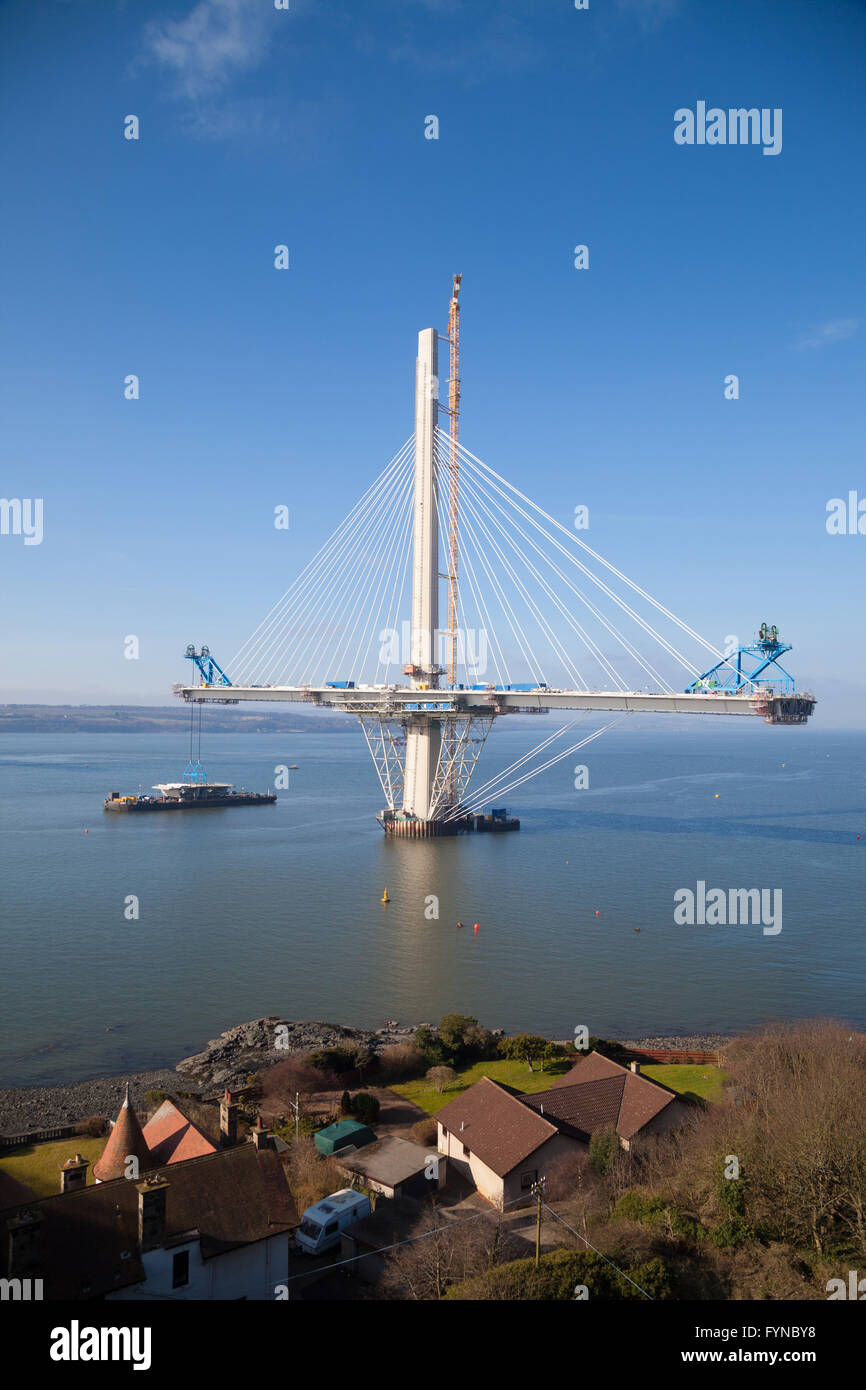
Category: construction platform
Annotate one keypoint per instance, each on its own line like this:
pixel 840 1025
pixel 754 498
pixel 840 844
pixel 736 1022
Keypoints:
pixel 413 828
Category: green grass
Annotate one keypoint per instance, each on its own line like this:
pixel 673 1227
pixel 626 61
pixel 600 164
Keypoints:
pixel 38 1165
pixel 703 1082
pixel 515 1074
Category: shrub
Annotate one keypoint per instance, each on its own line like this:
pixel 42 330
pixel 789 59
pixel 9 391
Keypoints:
pixel 282 1082
pixel 402 1062
pixel 604 1149
pixel 94 1127
pixel 310 1176
pixel 365 1108
pixel 345 1103
pixel 613 1050
pixel 441 1077
pixel 337 1060
pixel 425 1132
pixel 154 1099
pixel 559 1275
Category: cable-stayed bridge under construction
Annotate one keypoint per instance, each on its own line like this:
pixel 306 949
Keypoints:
pixel 537 621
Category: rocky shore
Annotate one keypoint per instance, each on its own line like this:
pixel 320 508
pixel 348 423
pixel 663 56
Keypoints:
pixel 228 1061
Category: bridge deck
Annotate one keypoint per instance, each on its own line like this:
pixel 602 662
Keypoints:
pixel 401 700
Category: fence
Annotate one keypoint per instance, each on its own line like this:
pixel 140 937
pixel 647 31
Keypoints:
pixel 37 1136
pixel 715 1059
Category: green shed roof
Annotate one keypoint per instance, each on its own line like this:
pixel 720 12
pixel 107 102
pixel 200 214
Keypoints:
pixel 343 1134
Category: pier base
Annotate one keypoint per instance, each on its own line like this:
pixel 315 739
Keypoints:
pixel 412 828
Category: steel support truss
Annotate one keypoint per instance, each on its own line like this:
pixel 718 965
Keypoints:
pixel 458 756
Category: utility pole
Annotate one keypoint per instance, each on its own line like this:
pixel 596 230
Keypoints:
pixel 538 1193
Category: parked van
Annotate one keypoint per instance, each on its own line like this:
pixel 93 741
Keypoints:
pixel 322 1223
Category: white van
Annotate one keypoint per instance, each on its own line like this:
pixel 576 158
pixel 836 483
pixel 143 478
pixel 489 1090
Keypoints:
pixel 322 1223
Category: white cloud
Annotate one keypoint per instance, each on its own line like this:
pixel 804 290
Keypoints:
pixel 833 332
pixel 650 14
pixel 217 40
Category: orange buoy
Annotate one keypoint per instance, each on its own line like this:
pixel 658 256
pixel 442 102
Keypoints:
pixel 637 928
pixel 460 924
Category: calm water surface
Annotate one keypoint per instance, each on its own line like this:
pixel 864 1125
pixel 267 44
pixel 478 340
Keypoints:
pixel 277 909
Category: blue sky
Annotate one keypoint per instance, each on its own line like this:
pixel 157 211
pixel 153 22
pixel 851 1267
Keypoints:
pixel 602 387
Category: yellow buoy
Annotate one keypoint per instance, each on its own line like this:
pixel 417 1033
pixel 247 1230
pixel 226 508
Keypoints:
pixel 385 898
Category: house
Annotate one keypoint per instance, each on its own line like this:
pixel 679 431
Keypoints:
pixel 396 1168
pixel 597 1092
pixel 503 1139
pixel 498 1142
pixel 173 1134
pixel 213 1227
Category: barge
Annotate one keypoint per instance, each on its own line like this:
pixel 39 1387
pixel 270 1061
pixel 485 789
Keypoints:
pixel 185 796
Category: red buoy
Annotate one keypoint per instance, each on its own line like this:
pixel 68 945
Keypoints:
pixel 87 832
pixel 597 913
pixel 475 928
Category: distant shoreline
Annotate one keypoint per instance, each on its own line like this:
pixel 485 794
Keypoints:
pixel 159 719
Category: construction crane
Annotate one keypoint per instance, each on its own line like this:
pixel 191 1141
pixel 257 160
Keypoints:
pixel 453 513
pixel 453 475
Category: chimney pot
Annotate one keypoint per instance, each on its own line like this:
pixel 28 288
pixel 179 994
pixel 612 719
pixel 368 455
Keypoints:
pixel 73 1174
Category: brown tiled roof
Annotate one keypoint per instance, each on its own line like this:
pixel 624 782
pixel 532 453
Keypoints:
pixel 89 1238
pixel 598 1092
pixel 171 1137
pixel 125 1140
pixel 497 1126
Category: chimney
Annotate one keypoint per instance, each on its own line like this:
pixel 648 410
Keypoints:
pixel 151 1213
pixel 228 1121
pixel 25 1243
pixel 261 1138
pixel 73 1174
pixel 635 1067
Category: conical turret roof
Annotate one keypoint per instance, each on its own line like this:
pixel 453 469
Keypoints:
pixel 125 1139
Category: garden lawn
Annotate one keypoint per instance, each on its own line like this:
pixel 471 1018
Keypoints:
pixel 704 1082
pixel 38 1165
pixel 515 1074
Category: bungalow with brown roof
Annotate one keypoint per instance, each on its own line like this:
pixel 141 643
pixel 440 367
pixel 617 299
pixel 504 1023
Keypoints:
pixel 502 1139
pixel 497 1141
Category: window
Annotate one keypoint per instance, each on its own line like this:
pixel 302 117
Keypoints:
pixel 527 1179
pixel 330 1228
pixel 466 1153
pixel 180 1270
